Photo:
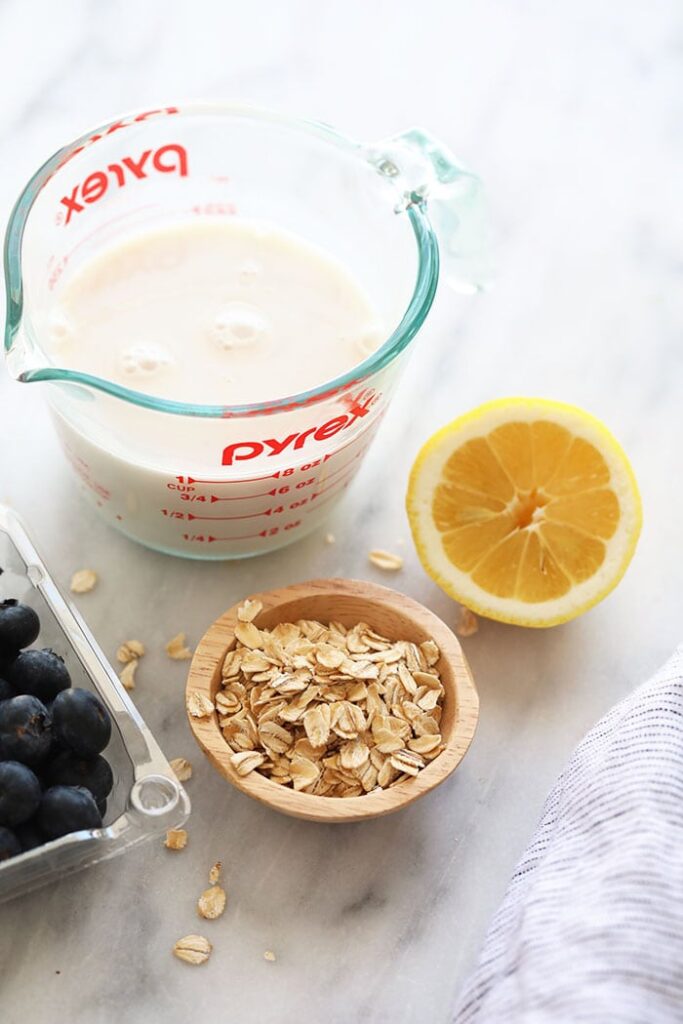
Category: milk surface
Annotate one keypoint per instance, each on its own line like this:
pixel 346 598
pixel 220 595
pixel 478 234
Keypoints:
pixel 220 312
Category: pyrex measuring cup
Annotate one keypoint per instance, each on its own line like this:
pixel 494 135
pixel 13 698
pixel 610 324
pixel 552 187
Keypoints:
pixel 211 481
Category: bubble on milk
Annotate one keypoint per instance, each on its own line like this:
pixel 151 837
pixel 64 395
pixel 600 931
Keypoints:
pixel 60 329
pixel 145 359
pixel 248 272
pixel 237 325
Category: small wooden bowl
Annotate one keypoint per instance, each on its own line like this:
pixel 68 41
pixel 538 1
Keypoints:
pixel 347 601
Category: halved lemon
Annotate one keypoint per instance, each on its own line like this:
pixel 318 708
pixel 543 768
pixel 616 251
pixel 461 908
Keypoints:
pixel 524 510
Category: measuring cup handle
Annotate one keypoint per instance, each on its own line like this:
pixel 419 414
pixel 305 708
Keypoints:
pixel 423 170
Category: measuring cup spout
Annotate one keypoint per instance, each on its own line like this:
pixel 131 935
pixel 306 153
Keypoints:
pixel 25 362
pixel 425 171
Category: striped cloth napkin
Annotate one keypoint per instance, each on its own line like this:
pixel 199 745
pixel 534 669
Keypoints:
pixel 591 928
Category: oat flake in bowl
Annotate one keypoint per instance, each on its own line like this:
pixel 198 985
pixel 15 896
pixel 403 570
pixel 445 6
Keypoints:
pixel 332 689
pixel 327 709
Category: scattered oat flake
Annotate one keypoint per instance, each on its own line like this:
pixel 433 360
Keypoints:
pixel 215 872
pixel 176 839
pixel 182 768
pixel 130 650
pixel 330 538
pixel 249 609
pixel 467 623
pixel 199 706
pixel 127 674
pixel 269 956
pixel 385 560
pixel 83 581
pixel 193 949
pixel 177 649
pixel 211 903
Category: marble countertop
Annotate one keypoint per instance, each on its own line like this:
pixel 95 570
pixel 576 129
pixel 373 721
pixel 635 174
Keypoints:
pixel 571 112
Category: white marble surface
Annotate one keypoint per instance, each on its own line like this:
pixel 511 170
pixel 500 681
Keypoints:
pixel 572 112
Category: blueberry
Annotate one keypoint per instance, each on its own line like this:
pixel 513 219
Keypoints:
pixel 19 793
pixel 65 809
pixel 6 690
pixel 92 773
pixel 5 662
pixel 29 835
pixel 25 730
pixel 9 844
pixel 43 674
pixel 19 625
pixel 81 722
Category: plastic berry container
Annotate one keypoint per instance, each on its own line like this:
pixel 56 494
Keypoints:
pixel 147 798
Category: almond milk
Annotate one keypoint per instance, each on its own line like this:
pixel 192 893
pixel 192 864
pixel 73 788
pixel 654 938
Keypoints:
pixel 218 312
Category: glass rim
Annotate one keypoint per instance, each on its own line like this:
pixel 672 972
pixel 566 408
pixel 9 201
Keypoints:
pixel 415 313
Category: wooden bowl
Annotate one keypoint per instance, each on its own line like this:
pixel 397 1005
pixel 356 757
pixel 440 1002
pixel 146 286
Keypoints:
pixel 347 601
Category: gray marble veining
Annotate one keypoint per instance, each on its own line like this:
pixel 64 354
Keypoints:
pixel 571 112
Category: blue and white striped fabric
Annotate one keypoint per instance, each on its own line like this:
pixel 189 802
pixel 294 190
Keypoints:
pixel 591 928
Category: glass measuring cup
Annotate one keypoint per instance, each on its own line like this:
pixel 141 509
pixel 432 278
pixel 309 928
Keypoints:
pixel 211 481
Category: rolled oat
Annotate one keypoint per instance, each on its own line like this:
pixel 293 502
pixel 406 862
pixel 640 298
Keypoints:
pixel 83 581
pixel 177 649
pixel 329 709
pixel 211 903
pixel 182 768
pixel 193 949
pixel 130 650
pixel 385 560
pixel 176 839
pixel 127 674
pixel 199 706
pixel 467 623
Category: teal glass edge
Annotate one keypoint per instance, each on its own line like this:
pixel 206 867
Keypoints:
pixel 410 323
pixel 419 305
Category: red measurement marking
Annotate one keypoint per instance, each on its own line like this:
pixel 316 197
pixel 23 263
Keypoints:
pixel 242 480
pixel 318 504
pixel 242 497
pixel 358 455
pixel 335 484
pixel 245 536
pixel 228 209
pixel 223 519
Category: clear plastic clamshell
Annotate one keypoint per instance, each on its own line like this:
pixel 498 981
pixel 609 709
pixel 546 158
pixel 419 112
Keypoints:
pixel 147 798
